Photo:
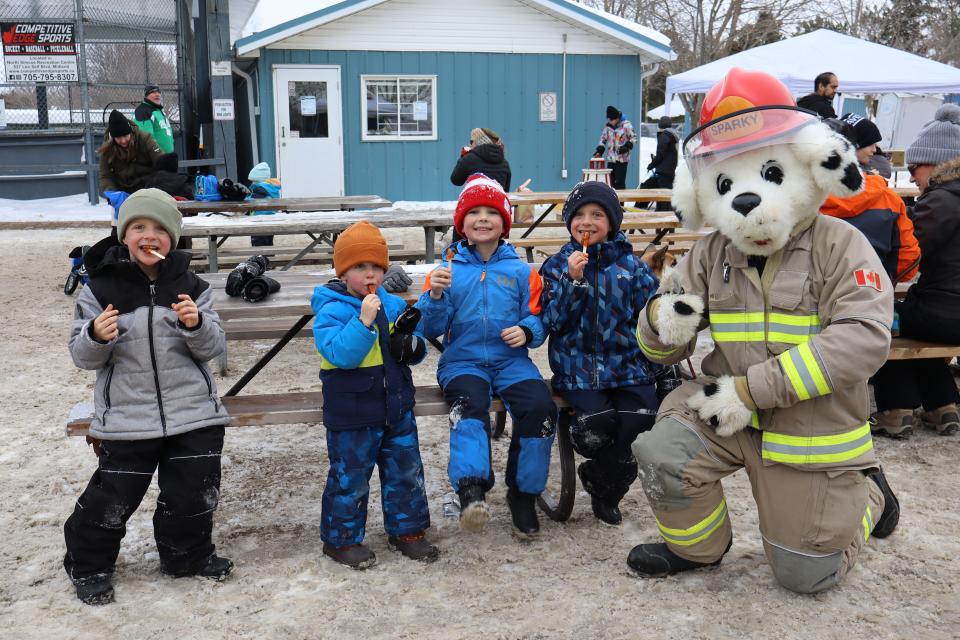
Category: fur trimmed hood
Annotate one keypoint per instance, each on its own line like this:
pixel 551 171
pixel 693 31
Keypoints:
pixel 946 172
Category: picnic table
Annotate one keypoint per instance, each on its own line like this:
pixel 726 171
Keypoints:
pixel 318 226
pixel 332 203
pixel 553 198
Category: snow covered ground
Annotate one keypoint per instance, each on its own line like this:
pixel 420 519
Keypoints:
pixel 572 582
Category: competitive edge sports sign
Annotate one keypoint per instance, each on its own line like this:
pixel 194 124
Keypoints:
pixel 39 51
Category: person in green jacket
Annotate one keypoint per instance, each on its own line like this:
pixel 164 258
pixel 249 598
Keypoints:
pixel 149 117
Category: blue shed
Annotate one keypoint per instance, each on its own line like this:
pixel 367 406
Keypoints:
pixel 378 96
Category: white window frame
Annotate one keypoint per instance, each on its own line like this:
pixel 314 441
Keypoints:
pixel 364 79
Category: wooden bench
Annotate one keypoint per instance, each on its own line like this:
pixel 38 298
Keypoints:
pixel 305 408
pixel 910 349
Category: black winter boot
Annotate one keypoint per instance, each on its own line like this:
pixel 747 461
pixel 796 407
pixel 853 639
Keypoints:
pixel 655 560
pixel 474 513
pixel 523 510
pixel 95 591
pixel 891 507
pixel 604 496
pixel 355 556
pixel 214 567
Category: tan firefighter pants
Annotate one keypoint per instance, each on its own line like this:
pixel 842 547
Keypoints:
pixel 813 523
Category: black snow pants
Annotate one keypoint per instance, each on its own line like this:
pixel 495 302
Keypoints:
pixel 189 481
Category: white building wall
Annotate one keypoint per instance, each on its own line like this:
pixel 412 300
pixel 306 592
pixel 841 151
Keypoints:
pixel 500 26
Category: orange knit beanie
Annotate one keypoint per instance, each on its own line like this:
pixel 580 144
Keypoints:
pixel 360 242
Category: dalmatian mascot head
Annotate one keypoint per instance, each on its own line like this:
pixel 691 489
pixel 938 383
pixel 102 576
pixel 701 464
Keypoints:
pixel 758 167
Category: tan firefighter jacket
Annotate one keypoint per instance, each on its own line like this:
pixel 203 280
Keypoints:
pixel 807 336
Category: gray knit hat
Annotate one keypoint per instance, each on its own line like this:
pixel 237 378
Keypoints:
pixel 155 205
pixel 939 140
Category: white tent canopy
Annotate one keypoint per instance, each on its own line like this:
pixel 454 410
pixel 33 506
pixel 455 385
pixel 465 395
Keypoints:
pixel 676 110
pixel 861 66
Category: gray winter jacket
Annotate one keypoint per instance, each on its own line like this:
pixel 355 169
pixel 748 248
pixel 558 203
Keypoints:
pixel 152 380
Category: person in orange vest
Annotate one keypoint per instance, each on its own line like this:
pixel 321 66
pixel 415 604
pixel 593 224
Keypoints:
pixel 877 211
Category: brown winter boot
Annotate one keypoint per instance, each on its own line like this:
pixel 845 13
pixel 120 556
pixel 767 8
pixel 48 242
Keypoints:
pixel 415 547
pixel 893 423
pixel 944 420
pixel 355 556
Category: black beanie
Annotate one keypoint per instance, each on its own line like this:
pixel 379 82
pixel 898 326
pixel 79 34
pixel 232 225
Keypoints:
pixel 612 113
pixel 150 88
pixel 118 125
pixel 865 132
pixel 598 192
pixel 665 122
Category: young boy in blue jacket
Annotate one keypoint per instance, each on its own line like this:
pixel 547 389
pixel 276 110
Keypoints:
pixel 485 302
pixel 367 343
pixel 595 289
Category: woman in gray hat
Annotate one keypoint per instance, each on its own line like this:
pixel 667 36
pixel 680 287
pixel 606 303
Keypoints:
pixel 931 310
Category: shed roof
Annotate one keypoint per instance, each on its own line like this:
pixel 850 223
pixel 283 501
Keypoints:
pixel 268 27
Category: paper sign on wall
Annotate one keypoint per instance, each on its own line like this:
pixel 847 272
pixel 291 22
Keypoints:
pixel 220 68
pixel 308 105
pixel 420 110
pixel 548 106
pixel 223 109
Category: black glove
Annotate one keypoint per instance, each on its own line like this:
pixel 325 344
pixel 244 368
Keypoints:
pixel 396 279
pixel 626 148
pixel 406 348
pixel 599 150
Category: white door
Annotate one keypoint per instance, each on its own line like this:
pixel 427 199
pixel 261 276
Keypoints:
pixel 309 131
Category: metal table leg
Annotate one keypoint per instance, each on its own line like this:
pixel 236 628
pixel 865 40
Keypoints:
pixel 268 356
pixel 537 221
pixel 212 246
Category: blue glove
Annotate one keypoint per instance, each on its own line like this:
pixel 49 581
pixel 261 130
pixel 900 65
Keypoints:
pixel 116 198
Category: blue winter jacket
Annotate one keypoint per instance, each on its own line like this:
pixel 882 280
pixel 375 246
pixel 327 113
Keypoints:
pixel 484 299
pixel 592 323
pixel 363 385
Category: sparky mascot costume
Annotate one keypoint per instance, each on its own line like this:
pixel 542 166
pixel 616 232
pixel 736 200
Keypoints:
pixel 799 308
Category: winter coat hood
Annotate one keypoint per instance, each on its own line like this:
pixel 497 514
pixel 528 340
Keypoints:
pixel 152 379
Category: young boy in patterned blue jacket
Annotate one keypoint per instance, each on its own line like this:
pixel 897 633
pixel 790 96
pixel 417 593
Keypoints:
pixel 485 301
pixel 366 340
pixel 595 289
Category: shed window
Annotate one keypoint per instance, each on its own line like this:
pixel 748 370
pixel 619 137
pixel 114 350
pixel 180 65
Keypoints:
pixel 399 108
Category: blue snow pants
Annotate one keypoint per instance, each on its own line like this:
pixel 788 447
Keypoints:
pixel 534 427
pixel 396 453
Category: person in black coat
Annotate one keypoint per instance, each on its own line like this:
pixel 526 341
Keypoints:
pixel 485 155
pixel 664 162
pixel 820 101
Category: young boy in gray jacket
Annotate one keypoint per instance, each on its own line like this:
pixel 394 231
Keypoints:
pixel 145 324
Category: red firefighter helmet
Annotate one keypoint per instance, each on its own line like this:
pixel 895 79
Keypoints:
pixel 745 110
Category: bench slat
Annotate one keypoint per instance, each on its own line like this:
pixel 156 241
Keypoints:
pixel 909 349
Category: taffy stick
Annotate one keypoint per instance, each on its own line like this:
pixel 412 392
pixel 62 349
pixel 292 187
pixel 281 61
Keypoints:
pixel 586 241
pixel 372 288
pixel 450 260
pixel 157 254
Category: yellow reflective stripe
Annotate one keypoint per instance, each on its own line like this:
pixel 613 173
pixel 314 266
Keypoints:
pixel 788 338
pixel 796 321
pixel 373 358
pixel 755 419
pixel 804 372
pixel 737 336
pixel 793 375
pixel 699 531
pixel 649 351
pixel 839 447
pixel 815 372
pixel 867 524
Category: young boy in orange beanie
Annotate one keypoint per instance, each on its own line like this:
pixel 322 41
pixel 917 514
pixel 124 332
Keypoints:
pixel 366 340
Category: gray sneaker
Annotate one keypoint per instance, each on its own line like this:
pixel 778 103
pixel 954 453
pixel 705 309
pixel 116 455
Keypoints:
pixel 893 423
pixel 944 420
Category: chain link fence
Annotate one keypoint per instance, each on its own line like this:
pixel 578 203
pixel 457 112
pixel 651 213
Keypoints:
pixel 126 44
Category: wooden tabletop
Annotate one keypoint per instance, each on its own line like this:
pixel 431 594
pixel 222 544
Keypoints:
pixel 315 222
pixel 332 203
pixel 558 197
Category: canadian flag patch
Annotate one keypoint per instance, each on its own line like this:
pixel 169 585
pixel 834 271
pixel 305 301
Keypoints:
pixel 868 278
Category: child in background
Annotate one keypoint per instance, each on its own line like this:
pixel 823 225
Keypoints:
pixel 262 186
pixel 485 302
pixel 367 343
pixel 145 324
pixel 595 290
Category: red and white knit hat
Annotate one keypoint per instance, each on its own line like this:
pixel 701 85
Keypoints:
pixel 481 191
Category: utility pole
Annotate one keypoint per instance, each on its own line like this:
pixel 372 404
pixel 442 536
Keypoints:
pixel 221 87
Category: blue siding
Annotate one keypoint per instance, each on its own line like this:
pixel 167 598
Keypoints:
pixel 499 91
pixel 854 105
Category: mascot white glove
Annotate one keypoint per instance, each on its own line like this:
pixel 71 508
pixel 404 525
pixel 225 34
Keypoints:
pixel 725 404
pixel 675 315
